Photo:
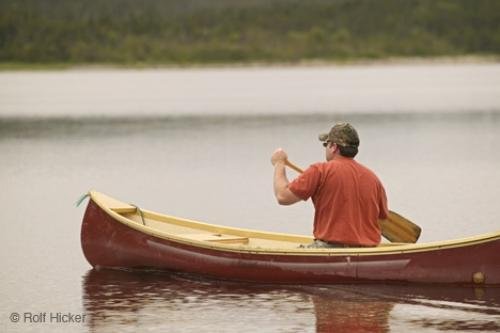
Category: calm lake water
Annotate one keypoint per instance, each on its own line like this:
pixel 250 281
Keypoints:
pixel 197 143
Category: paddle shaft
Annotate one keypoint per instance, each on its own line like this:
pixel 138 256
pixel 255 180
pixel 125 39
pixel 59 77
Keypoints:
pixel 293 166
pixel 395 228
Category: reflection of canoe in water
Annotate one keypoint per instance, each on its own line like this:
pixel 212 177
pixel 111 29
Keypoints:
pixel 116 234
pixel 116 300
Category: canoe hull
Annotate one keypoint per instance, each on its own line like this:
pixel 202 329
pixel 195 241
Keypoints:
pixel 108 243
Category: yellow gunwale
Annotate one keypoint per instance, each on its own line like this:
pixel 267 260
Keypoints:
pixel 114 207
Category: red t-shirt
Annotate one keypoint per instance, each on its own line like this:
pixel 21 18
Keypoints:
pixel 348 200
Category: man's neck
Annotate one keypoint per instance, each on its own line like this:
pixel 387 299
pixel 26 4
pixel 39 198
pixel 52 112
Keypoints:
pixel 338 156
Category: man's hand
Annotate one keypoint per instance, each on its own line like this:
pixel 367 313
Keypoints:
pixel 279 156
pixel 280 183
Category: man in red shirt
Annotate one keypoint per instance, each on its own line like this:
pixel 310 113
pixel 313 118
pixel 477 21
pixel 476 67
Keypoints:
pixel 348 197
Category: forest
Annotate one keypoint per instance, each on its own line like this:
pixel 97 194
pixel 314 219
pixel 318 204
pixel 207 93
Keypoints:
pixel 168 32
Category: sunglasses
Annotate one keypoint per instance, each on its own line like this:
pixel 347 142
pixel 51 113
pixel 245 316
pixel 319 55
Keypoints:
pixel 326 143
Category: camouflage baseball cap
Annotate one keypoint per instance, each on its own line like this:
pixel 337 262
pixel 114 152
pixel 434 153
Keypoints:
pixel 342 134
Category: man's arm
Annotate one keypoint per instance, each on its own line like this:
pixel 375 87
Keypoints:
pixel 280 183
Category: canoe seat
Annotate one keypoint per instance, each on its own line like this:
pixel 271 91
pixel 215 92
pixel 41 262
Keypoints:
pixel 217 238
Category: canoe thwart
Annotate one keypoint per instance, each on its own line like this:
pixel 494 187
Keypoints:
pixel 124 209
pixel 217 238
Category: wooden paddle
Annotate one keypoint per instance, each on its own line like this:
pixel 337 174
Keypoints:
pixel 395 228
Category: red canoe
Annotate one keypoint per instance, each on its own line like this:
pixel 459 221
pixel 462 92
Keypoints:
pixel 118 235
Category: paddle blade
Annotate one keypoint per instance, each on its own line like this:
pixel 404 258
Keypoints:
pixel 398 229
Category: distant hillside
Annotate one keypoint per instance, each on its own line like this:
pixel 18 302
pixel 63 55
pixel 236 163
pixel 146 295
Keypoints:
pixel 225 31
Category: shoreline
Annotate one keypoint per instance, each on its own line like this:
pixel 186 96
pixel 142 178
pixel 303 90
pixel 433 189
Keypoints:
pixel 393 61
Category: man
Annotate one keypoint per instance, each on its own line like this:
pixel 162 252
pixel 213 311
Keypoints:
pixel 348 197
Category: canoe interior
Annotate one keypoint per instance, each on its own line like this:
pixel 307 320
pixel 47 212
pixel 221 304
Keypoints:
pixel 165 226
pixel 227 238
pixel 172 227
